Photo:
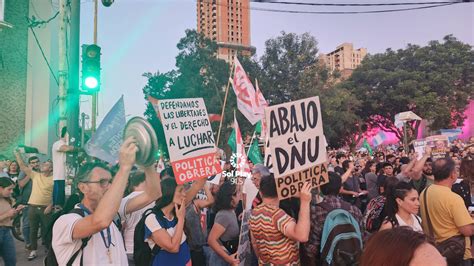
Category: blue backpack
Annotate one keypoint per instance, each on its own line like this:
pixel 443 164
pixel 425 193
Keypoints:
pixel 341 240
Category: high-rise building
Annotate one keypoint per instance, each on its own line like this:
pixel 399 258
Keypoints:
pixel 226 22
pixel 344 59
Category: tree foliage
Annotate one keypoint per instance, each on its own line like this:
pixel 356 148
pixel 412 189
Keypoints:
pixel 434 81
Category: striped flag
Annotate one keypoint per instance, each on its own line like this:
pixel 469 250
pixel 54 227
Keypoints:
pixel 379 138
pixel 245 93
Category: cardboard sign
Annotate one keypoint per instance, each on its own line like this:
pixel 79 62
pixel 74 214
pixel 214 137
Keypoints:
pixel 419 146
pixel 190 139
pixel 290 185
pixel 439 146
pixel 297 145
pixel 244 241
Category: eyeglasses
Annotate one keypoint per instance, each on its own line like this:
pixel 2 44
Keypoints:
pixel 102 182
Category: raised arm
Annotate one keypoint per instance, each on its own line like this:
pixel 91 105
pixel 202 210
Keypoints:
pixel 110 202
pixel 152 191
pixel 300 231
pixel 23 167
pixel 418 168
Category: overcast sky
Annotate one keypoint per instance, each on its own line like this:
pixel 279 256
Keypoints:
pixel 140 36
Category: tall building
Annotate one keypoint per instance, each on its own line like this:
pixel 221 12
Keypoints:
pixel 344 59
pixel 226 22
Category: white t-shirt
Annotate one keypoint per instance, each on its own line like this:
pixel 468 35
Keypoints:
pixel 416 225
pixel 59 161
pixel 130 221
pixel 251 191
pixel 95 252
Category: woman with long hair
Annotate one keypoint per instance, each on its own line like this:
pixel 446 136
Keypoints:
pixel 401 208
pixel 371 179
pixel 7 245
pixel 13 169
pixel 224 235
pixel 464 186
pixel 166 228
pixel 400 246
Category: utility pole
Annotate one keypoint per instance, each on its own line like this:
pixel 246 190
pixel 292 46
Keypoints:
pixel 73 90
pixel 95 95
pixel 63 70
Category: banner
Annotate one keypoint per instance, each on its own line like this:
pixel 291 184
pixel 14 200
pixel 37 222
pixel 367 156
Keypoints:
pixel 106 141
pixel 452 133
pixel 245 93
pixel 439 146
pixel 297 146
pixel 189 137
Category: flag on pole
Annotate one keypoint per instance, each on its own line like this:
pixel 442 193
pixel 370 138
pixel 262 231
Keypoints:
pixel 254 153
pixel 260 102
pixel 231 141
pixel 367 146
pixel 241 158
pixel 106 141
pixel 245 93
pixel 379 138
pixel 214 118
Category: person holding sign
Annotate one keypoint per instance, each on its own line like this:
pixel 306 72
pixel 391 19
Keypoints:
pixel 274 234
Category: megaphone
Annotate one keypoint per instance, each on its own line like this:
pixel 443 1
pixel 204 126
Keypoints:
pixel 146 140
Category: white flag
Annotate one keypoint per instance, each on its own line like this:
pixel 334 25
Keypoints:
pixel 245 93
pixel 260 102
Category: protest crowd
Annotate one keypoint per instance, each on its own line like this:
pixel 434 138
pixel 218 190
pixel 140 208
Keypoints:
pixel 393 207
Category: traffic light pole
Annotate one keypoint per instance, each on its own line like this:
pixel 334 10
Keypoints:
pixel 95 95
pixel 73 88
pixel 63 70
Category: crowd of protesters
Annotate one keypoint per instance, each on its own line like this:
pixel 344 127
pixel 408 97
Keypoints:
pixel 399 208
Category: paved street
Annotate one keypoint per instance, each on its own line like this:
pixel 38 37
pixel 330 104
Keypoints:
pixel 22 254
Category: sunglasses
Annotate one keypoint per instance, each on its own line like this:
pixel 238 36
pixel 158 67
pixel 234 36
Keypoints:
pixel 102 182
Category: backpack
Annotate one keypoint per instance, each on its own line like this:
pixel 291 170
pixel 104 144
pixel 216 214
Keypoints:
pixel 142 253
pixel 374 216
pixel 50 259
pixel 341 240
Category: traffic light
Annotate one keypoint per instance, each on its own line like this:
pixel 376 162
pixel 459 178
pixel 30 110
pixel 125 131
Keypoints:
pixel 90 69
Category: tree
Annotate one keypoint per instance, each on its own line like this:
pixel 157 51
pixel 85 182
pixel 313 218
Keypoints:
pixel 434 81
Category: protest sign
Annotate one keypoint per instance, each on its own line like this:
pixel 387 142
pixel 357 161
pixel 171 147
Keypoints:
pixel 215 179
pixel 439 146
pixel 419 147
pixel 297 146
pixel 189 137
pixel 243 250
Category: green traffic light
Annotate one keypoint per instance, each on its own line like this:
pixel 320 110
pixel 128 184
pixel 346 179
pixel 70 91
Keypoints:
pixel 91 82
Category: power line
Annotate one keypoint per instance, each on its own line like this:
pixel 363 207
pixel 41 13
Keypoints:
pixel 331 12
pixel 347 12
pixel 44 56
pixel 351 4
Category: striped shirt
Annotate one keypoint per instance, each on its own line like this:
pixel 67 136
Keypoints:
pixel 267 225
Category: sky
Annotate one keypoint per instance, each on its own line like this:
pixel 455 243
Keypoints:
pixel 138 36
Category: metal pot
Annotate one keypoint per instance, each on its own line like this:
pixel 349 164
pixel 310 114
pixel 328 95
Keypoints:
pixel 145 136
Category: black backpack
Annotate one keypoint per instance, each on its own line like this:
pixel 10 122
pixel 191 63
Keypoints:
pixel 142 253
pixel 50 259
pixel 341 240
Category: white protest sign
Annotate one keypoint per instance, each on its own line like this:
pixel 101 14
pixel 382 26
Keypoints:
pixel 243 250
pixel 419 147
pixel 190 140
pixel 297 145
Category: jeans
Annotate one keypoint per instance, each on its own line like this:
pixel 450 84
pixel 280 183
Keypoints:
pixel 216 260
pixel 59 193
pixel 37 218
pixel 7 246
pixel 25 229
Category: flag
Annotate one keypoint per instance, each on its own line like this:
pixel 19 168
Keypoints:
pixel 245 93
pixel 241 158
pixel 260 102
pixel 106 141
pixel 231 141
pixel 214 118
pixel 452 133
pixel 379 138
pixel 367 146
pixel 254 153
